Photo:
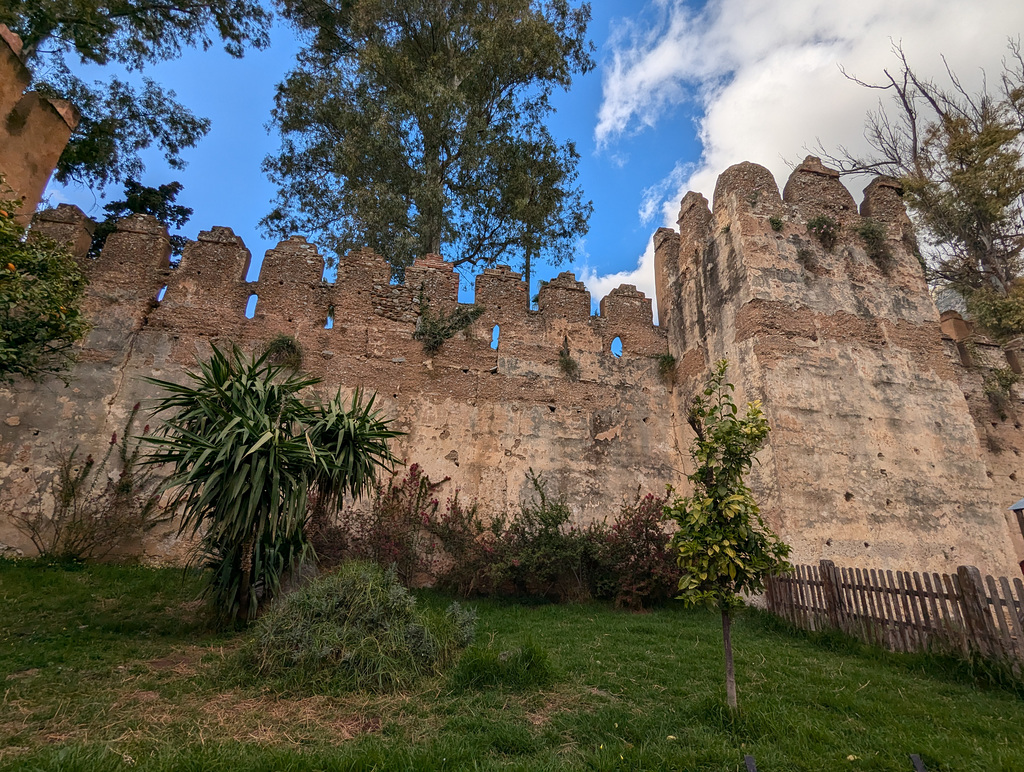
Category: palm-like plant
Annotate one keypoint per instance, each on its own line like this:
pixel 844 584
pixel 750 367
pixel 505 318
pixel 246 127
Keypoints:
pixel 246 451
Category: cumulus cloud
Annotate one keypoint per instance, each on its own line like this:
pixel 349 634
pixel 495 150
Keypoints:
pixel 766 77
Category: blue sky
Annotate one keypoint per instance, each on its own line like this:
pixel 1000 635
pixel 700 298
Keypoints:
pixel 682 90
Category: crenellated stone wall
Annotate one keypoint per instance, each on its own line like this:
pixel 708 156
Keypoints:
pixel 479 415
pixel 876 457
pixel 888 447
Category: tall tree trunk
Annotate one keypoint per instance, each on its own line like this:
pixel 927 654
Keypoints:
pixel 730 671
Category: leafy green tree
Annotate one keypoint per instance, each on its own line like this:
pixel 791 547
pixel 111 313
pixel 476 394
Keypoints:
pixel 142 199
pixel 41 287
pixel 119 120
pixel 960 159
pixel 725 549
pixel 416 126
pixel 246 452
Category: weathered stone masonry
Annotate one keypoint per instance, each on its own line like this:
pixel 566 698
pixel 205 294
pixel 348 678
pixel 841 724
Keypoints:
pixel 879 452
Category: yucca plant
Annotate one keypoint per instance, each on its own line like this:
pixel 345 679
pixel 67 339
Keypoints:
pixel 246 451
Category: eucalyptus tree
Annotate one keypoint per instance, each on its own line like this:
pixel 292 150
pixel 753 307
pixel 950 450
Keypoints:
pixel 246 451
pixel 417 126
pixel 118 119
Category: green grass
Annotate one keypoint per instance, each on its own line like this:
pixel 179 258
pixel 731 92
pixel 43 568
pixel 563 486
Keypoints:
pixel 108 668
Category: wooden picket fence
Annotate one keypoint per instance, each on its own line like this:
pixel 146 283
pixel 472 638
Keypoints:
pixel 907 611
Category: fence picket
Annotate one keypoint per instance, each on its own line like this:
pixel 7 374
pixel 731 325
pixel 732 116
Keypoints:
pixel 883 601
pixel 909 612
pixel 877 612
pixel 1013 613
pixel 901 624
pixel 1003 639
pixel 940 618
pixel 926 626
pixel 956 606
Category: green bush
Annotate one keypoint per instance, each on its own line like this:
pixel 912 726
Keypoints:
pixel 519 668
pixel 776 223
pixel 1001 315
pixel 433 328
pixel 876 244
pixel 357 628
pixel 825 230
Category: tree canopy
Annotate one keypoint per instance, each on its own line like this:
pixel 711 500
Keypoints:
pixel 119 120
pixel 143 199
pixel 960 158
pixel 417 126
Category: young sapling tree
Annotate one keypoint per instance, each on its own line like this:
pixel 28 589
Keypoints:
pixel 723 547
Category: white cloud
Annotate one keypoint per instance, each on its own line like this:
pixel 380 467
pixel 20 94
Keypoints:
pixel 642 277
pixel 767 78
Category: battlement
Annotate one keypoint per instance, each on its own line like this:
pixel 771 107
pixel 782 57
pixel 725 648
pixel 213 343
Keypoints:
pixel 207 293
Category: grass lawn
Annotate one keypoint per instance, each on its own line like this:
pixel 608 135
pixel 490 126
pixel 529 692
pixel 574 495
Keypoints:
pixel 110 667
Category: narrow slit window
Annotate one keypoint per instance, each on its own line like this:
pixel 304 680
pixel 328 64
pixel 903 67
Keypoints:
pixel 330 319
pixel 494 337
pixel 161 293
pixel 617 348
pixel 250 306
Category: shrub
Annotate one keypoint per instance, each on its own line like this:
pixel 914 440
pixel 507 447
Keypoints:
pixel 640 568
pixel 518 668
pixel 825 230
pixel 776 223
pixel 569 366
pixel 537 552
pixel 876 244
pixel 397 529
pixel 357 628
pixel 284 351
pixel 433 328
pixel 97 509
pixel 540 554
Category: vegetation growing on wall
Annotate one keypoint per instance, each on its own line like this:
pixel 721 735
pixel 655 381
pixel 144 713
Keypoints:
pixel 569 366
pixel 876 243
pixel 433 328
pixel 41 287
pixel 284 351
pixel 95 510
pixel 825 230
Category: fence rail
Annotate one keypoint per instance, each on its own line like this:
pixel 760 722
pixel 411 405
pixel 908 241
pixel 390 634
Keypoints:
pixel 907 611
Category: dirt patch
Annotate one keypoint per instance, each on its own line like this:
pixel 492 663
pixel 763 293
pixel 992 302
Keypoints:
pixel 272 721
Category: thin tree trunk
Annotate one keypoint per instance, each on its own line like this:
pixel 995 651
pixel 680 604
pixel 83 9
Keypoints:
pixel 246 582
pixel 730 671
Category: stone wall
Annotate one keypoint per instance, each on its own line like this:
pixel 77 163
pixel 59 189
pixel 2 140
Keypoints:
pixel 479 415
pixel 876 455
pixel 887 447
